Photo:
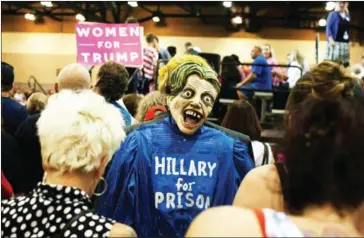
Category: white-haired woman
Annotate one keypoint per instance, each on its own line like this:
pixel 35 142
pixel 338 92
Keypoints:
pixel 78 134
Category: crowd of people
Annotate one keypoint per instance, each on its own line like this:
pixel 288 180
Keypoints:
pixel 96 160
pixel 168 165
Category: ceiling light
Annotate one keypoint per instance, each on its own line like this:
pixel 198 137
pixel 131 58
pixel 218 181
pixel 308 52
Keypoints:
pixel 47 4
pixel 237 20
pixel 80 17
pixel 29 16
pixel 156 19
pixel 133 4
pixel 227 4
pixel 322 22
pixel 330 6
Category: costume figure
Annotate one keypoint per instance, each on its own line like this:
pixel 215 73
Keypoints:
pixel 168 171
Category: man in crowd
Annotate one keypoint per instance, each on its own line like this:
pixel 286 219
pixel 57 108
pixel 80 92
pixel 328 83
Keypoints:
pixel 190 49
pixel 163 53
pixel 150 60
pixel 168 171
pixel 12 113
pixel 112 80
pixel 74 77
pixel 260 77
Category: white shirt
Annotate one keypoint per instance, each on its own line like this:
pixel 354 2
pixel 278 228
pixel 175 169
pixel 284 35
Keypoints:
pixel 258 150
pixel 293 74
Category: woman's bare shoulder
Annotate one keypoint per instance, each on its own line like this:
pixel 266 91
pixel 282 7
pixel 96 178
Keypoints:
pixel 121 230
pixel 225 221
pixel 265 172
pixel 261 188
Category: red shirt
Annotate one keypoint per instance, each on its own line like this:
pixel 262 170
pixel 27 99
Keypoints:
pixel 150 59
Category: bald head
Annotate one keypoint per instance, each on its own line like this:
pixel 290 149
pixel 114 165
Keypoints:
pixel 74 77
pixel 256 51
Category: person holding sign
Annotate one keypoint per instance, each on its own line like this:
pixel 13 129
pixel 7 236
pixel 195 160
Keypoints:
pixel 168 171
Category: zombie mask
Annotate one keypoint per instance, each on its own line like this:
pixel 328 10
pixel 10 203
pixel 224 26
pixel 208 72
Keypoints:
pixel 193 104
pixel 191 87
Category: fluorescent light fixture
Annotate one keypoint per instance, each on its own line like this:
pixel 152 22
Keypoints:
pixel 237 20
pixel 156 19
pixel 322 22
pixel 47 4
pixel 133 4
pixel 330 6
pixel 29 16
pixel 80 17
pixel 227 4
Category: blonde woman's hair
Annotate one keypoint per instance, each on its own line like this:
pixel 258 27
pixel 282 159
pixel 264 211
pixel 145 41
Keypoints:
pixel 77 130
pixel 154 98
pixel 297 56
pixel 337 7
pixel 36 103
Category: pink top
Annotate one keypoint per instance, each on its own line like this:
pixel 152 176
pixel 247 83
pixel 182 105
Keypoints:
pixel 275 80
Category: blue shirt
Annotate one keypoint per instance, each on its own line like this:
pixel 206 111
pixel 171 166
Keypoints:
pixel 160 179
pixel 124 113
pixel 332 25
pixel 13 114
pixel 264 74
pixel 165 55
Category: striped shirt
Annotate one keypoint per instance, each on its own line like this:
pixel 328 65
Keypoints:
pixel 149 62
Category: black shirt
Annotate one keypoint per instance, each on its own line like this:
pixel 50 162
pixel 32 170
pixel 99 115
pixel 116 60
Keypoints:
pixel 343 29
pixel 12 114
pixel 28 141
pixel 12 165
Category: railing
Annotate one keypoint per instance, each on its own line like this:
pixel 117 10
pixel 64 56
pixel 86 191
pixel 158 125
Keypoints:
pixel 36 84
pixel 274 65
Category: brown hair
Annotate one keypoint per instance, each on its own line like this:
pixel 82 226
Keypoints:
pixel 327 80
pixel 112 81
pixel 131 102
pixel 241 117
pixel 331 81
pixel 150 37
pixel 154 98
pixel 323 144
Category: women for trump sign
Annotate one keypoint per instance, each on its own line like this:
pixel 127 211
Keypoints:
pixel 98 43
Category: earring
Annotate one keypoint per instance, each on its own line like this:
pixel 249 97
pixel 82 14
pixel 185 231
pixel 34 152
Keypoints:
pixel 105 187
pixel 44 177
